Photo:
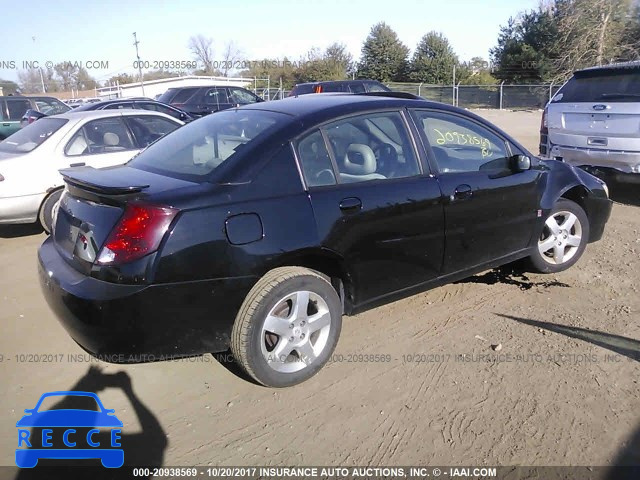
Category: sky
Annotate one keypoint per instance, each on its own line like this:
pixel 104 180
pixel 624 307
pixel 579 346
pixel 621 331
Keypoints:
pixel 94 32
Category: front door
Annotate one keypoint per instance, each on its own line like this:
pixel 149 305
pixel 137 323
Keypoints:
pixel 490 208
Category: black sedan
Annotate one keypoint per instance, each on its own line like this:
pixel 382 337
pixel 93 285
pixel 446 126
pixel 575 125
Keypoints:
pixel 137 103
pixel 257 228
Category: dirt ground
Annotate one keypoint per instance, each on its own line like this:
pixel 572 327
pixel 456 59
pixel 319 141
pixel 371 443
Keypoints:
pixel 562 389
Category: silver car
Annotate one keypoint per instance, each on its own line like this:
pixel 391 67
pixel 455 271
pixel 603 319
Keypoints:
pixel 594 119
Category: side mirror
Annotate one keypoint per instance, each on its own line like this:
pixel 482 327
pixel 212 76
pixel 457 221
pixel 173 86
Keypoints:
pixel 521 163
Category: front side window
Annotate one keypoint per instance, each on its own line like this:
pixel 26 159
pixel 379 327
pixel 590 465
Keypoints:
pixel 106 135
pixel 241 96
pixel 195 151
pixel 17 108
pixel 374 146
pixel 32 136
pixel 461 145
pixel 51 106
pixel 149 128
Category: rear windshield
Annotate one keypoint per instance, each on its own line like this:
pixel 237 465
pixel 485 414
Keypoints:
pixel 606 85
pixel 194 151
pixel 177 95
pixel 303 89
pixel 32 136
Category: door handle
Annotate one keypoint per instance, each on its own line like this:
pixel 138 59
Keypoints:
pixel 6 124
pixel 462 192
pixel 350 204
pixel 79 164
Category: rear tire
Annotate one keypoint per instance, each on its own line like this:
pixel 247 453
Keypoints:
pixel 45 215
pixel 287 327
pixel 563 239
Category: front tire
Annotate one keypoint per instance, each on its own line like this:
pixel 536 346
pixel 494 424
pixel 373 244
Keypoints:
pixel 563 239
pixel 45 215
pixel 287 327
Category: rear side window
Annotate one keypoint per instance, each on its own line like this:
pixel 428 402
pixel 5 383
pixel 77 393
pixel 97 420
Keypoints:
pixel 216 96
pixel 32 136
pixel 333 87
pixel 376 87
pixel 315 161
pixel 600 86
pixel 357 87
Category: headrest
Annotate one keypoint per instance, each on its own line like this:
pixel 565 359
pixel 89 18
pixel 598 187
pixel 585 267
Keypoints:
pixel 111 139
pixel 359 160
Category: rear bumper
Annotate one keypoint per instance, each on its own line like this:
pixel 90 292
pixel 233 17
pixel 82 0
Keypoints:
pixel 22 209
pixel 140 323
pixel 599 211
pixel 627 162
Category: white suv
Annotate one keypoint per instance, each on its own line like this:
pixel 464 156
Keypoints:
pixel 594 119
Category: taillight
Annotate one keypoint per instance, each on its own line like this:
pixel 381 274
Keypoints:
pixel 318 89
pixel 138 233
pixel 543 123
pixel 31 119
pixel 1 178
pixel 178 105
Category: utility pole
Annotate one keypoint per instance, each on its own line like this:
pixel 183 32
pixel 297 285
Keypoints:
pixel 136 42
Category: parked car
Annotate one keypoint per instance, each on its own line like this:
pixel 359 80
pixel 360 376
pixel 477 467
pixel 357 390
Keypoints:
pixel 12 109
pixel 594 119
pixel 200 101
pixel 137 103
pixel 257 228
pixel 348 86
pixel 30 185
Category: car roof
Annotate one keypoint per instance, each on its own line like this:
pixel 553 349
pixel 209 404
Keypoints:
pixel 75 115
pixel 331 104
pixel 634 65
pixel 338 82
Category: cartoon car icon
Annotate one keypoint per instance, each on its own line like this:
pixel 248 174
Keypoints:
pixel 73 422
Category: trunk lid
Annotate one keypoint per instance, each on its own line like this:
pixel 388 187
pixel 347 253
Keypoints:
pixel 93 202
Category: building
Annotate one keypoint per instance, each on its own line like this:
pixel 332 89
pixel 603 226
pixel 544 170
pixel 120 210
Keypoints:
pixel 154 88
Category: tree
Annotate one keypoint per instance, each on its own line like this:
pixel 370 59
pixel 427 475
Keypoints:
pixel 434 60
pixel 122 79
pixel 232 54
pixel 593 32
pixel 523 53
pixel 8 86
pixel 340 61
pixel 84 81
pixel 202 51
pixel 67 72
pixel 30 81
pixel 384 56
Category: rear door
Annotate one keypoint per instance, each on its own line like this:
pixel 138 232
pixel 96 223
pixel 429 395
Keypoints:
pixel 599 110
pixel 372 203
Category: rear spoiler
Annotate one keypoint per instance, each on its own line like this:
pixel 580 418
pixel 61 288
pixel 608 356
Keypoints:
pixel 100 181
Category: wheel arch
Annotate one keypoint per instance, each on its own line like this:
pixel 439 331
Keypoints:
pixel 328 264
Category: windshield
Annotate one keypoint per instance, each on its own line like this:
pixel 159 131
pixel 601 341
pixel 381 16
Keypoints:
pixel 32 136
pixel 601 85
pixel 194 151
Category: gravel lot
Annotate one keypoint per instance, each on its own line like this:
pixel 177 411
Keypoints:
pixel 562 388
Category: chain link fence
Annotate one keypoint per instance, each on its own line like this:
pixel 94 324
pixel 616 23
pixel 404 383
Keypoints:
pixel 500 96
pixel 511 97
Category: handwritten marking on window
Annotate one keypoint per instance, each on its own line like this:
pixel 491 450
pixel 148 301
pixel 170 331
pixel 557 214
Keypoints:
pixel 451 137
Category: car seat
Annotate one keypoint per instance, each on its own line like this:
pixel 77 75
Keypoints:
pixel 359 164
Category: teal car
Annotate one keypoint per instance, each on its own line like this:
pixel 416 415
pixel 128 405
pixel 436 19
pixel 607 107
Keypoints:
pixel 12 109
